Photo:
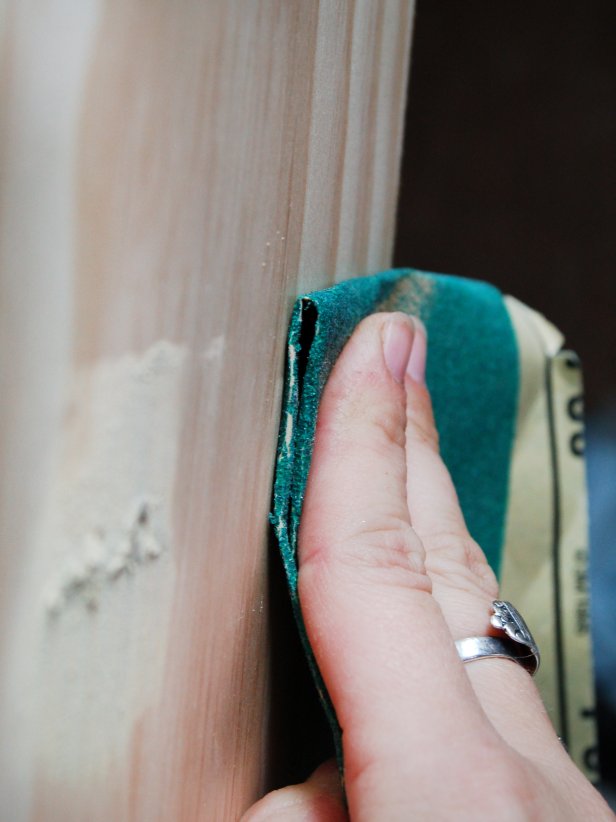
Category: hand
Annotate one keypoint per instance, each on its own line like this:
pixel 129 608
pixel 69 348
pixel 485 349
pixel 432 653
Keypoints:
pixel 389 578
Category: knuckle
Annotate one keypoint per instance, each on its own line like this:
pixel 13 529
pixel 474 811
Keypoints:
pixel 511 784
pixel 458 560
pixel 515 788
pixel 495 784
pixel 387 553
pixel 388 544
pixel 387 567
pixel 421 429
pixel 459 547
pixel 389 423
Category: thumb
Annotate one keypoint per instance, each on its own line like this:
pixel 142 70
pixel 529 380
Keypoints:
pixel 385 652
pixel 319 799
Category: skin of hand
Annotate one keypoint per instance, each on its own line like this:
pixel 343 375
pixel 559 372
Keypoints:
pixel 389 578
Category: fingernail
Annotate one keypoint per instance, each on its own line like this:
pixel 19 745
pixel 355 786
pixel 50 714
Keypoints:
pixel 416 367
pixel 397 344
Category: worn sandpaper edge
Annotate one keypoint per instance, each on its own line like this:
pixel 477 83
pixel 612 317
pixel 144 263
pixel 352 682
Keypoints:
pixel 314 314
pixel 299 418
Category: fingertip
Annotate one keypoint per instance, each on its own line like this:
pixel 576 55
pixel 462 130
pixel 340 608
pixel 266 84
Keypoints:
pixel 319 799
pixel 327 776
pixel 398 341
pixel 381 342
pixel 416 366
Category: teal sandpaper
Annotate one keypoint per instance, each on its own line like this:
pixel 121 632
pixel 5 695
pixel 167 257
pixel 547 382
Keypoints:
pixel 473 377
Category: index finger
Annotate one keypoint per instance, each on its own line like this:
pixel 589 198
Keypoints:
pixel 383 647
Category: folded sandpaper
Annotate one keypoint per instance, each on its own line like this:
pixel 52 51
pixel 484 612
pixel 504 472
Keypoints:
pixel 474 376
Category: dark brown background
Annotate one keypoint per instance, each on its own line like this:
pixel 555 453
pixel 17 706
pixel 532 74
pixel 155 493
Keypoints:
pixel 508 170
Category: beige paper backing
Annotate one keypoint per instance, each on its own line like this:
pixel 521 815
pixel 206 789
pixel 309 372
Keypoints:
pixel 544 572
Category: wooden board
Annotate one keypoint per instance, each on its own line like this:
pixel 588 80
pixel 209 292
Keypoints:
pixel 173 174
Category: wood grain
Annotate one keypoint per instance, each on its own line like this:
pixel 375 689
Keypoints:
pixel 173 175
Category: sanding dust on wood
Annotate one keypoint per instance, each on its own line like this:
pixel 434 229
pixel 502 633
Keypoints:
pixel 113 512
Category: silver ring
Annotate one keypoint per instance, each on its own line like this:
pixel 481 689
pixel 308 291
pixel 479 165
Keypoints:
pixel 515 642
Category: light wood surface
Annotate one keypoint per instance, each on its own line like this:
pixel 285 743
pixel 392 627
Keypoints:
pixel 173 174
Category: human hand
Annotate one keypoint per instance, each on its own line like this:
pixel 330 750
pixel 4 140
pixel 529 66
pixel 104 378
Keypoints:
pixel 389 578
